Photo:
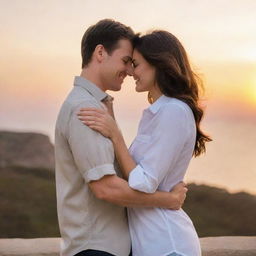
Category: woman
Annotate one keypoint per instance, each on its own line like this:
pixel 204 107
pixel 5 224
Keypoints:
pixel 169 134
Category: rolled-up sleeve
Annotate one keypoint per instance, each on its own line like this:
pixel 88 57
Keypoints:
pixel 93 153
pixel 167 140
pixel 140 180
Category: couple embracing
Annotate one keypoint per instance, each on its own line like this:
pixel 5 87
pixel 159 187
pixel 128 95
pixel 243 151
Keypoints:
pixel 112 200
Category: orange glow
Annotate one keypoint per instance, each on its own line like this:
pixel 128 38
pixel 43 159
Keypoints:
pixel 40 55
pixel 252 91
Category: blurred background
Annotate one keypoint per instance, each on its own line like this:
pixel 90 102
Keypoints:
pixel 39 57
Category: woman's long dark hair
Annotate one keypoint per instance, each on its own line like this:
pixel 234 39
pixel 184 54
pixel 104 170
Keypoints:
pixel 174 75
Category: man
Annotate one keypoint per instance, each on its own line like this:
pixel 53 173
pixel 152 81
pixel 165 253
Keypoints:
pixel 90 194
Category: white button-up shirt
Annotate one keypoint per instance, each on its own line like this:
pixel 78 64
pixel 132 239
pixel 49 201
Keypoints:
pixel 162 150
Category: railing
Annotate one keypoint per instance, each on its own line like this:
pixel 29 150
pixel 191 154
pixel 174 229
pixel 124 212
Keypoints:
pixel 211 246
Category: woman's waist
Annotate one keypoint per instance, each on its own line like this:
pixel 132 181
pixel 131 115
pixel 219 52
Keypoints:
pixel 165 227
pixel 143 216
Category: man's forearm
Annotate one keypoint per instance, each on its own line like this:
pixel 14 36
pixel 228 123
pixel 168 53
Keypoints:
pixel 117 191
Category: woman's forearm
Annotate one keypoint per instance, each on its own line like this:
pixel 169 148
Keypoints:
pixel 125 160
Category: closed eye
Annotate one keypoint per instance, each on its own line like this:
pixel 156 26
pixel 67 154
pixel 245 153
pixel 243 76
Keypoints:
pixel 127 60
pixel 134 65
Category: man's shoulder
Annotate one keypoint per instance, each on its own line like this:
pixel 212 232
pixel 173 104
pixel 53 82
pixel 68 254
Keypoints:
pixel 79 98
pixel 79 95
pixel 74 101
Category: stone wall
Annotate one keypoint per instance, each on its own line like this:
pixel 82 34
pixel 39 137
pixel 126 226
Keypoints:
pixel 211 246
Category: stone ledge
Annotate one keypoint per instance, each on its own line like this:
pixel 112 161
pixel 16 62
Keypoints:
pixel 229 246
pixel 211 246
pixel 30 247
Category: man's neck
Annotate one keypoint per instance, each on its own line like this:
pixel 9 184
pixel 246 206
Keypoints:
pixel 91 75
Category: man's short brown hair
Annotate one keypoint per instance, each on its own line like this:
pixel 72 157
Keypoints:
pixel 106 32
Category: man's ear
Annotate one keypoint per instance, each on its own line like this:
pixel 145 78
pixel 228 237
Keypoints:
pixel 100 52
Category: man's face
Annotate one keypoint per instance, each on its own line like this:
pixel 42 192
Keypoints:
pixel 116 66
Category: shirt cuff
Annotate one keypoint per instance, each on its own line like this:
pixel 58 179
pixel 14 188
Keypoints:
pixel 98 172
pixel 142 181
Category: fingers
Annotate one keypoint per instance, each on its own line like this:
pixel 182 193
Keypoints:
pixel 95 127
pixel 89 118
pixel 185 190
pixel 88 113
pixel 89 121
pixel 99 129
pixel 183 183
pixel 92 123
pixel 94 110
pixel 184 186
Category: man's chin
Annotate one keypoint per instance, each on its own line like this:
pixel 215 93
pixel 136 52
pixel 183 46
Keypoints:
pixel 116 88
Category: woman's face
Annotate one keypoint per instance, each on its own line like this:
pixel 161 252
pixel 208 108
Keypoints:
pixel 143 73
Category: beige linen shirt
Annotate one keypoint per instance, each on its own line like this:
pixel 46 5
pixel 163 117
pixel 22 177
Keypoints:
pixel 83 155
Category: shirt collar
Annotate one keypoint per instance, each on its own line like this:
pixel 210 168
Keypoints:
pixel 158 104
pixel 95 91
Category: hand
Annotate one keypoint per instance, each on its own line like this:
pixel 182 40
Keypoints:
pixel 179 194
pixel 99 120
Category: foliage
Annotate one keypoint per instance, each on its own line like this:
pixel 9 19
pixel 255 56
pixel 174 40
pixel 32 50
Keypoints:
pixel 28 207
pixel 215 212
pixel 27 203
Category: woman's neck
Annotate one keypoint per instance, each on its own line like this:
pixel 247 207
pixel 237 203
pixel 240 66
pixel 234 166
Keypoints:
pixel 154 94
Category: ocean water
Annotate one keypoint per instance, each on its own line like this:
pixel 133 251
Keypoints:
pixel 230 159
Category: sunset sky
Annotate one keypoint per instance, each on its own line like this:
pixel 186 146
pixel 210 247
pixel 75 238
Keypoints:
pixel 40 55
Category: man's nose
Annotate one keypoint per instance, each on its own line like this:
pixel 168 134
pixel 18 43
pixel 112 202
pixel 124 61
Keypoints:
pixel 129 70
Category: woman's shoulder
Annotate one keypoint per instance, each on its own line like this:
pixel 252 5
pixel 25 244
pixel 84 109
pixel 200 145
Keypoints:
pixel 175 110
pixel 174 105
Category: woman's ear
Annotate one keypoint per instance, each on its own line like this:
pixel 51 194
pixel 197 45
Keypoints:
pixel 99 52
